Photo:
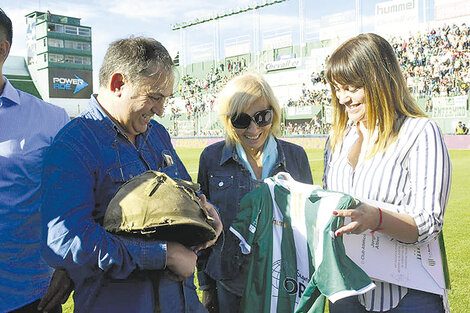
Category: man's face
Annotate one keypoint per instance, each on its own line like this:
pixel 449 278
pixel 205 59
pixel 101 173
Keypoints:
pixel 4 49
pixel 140 101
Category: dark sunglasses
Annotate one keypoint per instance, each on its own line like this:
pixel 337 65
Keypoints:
pixel 261 118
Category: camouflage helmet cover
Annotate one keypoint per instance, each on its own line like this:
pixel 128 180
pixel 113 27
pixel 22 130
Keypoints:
pixel 157 206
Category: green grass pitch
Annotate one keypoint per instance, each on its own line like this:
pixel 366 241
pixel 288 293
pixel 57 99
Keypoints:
pixel 456 221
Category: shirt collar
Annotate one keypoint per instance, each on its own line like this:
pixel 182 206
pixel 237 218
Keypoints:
pixel 9 94
pixel 229 152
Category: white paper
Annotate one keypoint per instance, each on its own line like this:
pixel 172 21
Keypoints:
pixel 390 261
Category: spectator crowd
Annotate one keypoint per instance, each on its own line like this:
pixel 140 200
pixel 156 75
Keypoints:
pixel 435 63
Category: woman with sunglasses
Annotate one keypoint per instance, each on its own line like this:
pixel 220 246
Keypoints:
pixel 384 151
pixel 230 169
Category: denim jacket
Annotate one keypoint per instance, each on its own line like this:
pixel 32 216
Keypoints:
pixel 88 161
pixel 224 179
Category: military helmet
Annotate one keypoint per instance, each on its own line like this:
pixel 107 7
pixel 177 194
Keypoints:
pixel 157 206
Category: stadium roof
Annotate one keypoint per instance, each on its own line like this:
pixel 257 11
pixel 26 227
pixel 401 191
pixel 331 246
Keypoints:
pixel 17 72
pixel 15 65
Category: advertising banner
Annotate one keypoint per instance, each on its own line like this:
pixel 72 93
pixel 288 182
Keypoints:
pixel 392 16
pixel 283 64
pixel 449 107
pixel 237 49
pixel 277 42
pixel 70 83
pixel 447 9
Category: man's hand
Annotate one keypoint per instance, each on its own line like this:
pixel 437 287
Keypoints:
pixel 180 261
pixel 58 292
pixel 216 223
pixel 209 300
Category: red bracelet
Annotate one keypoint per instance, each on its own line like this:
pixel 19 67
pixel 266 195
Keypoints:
pixel 380 222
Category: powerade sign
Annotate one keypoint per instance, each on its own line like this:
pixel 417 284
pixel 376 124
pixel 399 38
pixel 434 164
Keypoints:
pixel 70 83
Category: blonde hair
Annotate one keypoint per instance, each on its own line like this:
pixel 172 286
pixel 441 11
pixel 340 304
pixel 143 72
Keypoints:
pixel 368 61
pixel 241 92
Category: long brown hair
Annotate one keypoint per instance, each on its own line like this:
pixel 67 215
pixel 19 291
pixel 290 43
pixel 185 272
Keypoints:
pixel 368 61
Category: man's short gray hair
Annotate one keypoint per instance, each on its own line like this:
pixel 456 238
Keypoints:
pixel 135 57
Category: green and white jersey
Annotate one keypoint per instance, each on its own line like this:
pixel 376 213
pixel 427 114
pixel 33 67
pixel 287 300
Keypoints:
pixel 288 228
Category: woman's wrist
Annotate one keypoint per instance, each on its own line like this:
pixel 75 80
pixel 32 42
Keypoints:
pixel 380 221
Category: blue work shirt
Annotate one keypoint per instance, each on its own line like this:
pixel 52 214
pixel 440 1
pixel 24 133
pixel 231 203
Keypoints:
pixel 89 160
pixel 27 127
pixel 225 180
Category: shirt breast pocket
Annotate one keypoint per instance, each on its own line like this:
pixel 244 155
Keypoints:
pixel 223 193
pixel 167 164
pixel 218 183
pixel 115 177
pixel 121 174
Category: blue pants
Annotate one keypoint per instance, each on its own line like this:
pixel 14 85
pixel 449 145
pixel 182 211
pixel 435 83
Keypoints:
pixel 415 301
pixel 228 302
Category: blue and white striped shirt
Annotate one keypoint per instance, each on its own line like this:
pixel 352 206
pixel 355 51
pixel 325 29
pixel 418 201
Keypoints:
pixel 412 176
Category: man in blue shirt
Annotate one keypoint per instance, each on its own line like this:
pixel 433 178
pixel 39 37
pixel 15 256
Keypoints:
pixel 114 140
pixel 27 128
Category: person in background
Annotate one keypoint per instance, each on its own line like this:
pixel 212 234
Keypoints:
pixel 27 128
pixel 230 169
pixel 383 148
pixel 114 140
pixel 465 129
pixel 459 130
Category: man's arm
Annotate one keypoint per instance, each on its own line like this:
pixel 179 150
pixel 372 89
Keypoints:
pixel 73 239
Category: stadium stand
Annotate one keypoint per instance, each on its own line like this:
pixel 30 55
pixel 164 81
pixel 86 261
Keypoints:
pixel 435 64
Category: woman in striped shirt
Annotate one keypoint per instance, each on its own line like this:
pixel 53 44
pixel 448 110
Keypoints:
pixel 383 148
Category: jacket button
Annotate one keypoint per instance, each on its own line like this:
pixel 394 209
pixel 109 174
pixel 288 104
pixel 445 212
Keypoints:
pixel 221 184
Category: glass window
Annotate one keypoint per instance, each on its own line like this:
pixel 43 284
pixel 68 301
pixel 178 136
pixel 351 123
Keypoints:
pixel 85 46
pixel 72 30
pixel 82 60
pixel 84 32
pixel 77 45
pixel 58 43
pixel 77 59
pixel 69 59
pixel 58 28
pixel 57 58
pixel 69 44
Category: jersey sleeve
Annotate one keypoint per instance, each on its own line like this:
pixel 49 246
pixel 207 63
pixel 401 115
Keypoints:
pixel 250 219
pixel 332 263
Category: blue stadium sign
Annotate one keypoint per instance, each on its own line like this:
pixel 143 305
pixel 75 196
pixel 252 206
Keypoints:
pixel 69 83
